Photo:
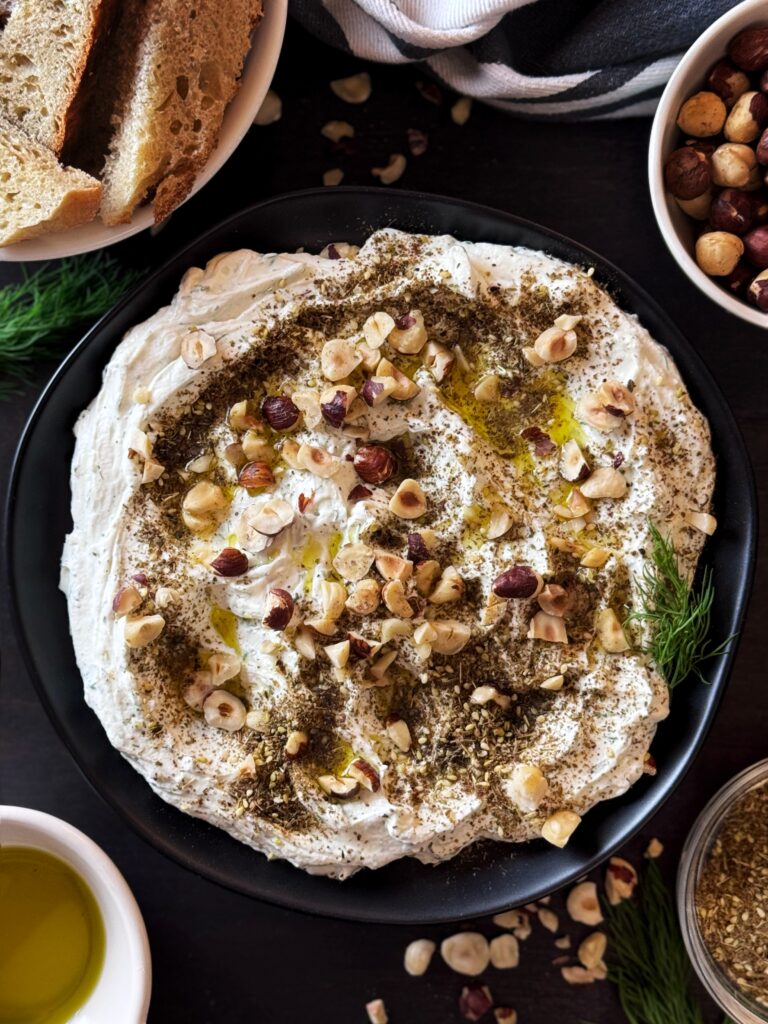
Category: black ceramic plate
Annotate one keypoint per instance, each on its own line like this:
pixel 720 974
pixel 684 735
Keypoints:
pixel 490 876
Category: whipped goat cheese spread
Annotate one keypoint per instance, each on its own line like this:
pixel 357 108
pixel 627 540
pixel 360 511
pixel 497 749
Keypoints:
pixel 355 539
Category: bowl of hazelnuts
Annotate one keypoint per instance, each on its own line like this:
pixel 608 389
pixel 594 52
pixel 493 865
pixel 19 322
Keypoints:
pixel 708 162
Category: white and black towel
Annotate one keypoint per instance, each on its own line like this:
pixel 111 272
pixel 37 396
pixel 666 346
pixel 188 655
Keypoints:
pixel 553 59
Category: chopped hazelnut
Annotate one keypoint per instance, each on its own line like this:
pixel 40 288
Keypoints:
pixel 318 461
pixel 592 949
pixel 701 521
pixel 554 345
pixel 393 567
pixel 143 630
pixel 296 744
pixel 418 955
pixel 452 636
pixel 353 561
pixel 487 389
pixel 504 952
pixel 583 904
pixel 449 588
pixel 466 952
pixel 620 880
pixel 610 632
pixel 355 89
pixel 405 387
pixel 408 501
pixel 409 335
pixel 399 733
pixel 547 627
pixel 438 359
pixel 338 654
pixel 224 711
pixel 559 827
pixel 393 170
pixel 364 597
pixel 527 787
pixel 393 596
pixel 333 596
pixel 604 482
pixel 339 358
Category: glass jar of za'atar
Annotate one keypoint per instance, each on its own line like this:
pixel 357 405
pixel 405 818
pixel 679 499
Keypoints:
pixel 722 896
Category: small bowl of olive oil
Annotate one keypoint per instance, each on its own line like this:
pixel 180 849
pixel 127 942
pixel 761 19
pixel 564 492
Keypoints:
pixel 73 946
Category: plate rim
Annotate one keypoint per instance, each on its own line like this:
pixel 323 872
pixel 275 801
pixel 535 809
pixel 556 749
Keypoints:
pixel 170 270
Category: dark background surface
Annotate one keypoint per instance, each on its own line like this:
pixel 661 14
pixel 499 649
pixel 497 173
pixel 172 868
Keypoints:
pixel 222 957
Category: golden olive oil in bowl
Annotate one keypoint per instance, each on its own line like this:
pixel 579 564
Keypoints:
pixel 51 938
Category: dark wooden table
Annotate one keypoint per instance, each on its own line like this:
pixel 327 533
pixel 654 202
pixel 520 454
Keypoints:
pixel 222 957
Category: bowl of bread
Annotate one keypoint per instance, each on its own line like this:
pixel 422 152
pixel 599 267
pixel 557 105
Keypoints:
pixel 114 112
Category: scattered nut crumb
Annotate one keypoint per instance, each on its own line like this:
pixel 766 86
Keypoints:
pixel 654 849
pixel 563 942
pixel 334 176
pixel 417 141
pixel 549 919
pixel 355 89
pixel 271 110
pixel 394 169
pixel 418 955
pixel 377 1011
pixel 461 110
pixel 430 92
pixel 335 130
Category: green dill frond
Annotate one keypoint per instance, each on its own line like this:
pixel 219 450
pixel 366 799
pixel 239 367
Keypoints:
pixel 40 315
pixel 647 960
pixel 678 616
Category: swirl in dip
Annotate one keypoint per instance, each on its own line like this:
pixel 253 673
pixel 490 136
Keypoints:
pixel 354 538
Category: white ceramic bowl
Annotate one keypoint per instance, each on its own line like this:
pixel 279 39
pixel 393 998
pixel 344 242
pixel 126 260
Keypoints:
pixel 257 75
pixel 121 995
pixel 678 229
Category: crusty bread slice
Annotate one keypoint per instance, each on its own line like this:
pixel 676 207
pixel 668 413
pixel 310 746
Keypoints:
pixel 45 48
pixel 37 194
pixel 187 60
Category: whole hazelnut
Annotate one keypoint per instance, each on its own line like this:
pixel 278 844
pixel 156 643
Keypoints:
pixel 747 118
pixel 697 208
pixel 727 81
pixel 749 49
pixel 686 173
pixel 756 246
pixel 739 278
pixel 702 114
pixel 761 151
pixel 733 165
pixel 760 209
pixel 758 291
pixel 374 463
pixel 718 252
pixel 732 211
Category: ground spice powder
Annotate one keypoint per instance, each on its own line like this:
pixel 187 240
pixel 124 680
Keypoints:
pixel 732 896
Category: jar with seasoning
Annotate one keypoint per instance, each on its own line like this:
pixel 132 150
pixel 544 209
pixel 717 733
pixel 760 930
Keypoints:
pixel 722 896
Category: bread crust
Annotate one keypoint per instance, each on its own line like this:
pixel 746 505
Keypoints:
pixel 184 72
pixel 50 197
pixel 40 76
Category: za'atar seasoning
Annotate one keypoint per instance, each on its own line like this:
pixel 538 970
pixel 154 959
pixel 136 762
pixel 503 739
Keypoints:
pixel 732 895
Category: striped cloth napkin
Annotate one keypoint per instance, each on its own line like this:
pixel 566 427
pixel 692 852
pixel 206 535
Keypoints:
pixel 549 59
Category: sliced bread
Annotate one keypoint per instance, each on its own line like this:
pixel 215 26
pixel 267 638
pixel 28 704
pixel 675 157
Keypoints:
pixel 184 63
pixel 38 194
pixel 45 49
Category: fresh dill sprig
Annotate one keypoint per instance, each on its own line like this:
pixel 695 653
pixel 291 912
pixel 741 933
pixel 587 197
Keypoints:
pixel 39 315
pixel 647 958
pixel 678 615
